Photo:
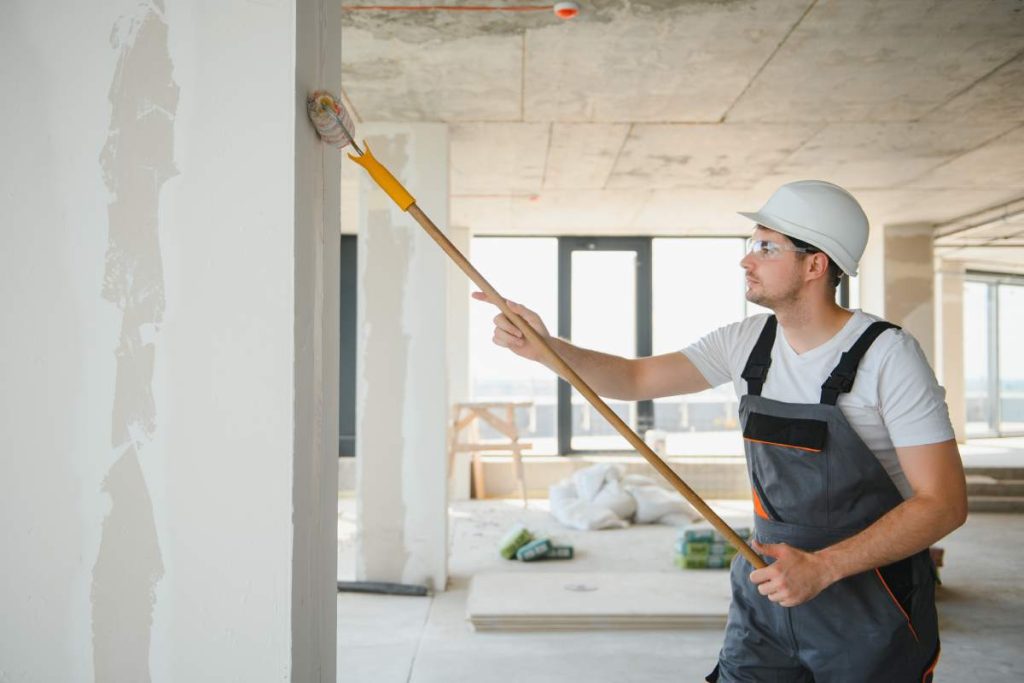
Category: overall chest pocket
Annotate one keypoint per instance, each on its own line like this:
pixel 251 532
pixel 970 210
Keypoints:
pixel 802 433
pixel 788 469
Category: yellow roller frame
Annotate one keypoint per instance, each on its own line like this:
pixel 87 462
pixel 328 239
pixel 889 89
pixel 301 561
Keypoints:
pixel 383 177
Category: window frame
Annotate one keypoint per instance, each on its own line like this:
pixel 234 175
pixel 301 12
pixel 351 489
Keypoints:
pixel 644 325
pixel 993 281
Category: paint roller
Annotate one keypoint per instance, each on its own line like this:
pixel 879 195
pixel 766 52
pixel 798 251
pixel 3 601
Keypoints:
pixel 335 127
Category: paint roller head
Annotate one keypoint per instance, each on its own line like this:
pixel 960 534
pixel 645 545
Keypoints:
pixel 330 119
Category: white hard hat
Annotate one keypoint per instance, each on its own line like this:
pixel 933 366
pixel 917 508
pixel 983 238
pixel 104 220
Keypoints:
pixel 822 214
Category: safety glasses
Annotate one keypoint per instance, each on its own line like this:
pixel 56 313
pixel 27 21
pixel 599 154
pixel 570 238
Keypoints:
pixel 770 251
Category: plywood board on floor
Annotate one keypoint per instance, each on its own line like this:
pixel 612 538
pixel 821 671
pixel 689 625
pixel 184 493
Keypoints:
pixel 598 601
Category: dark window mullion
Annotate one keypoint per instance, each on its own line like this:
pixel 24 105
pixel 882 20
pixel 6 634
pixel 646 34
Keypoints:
pixel 564 408
pixel 644 328
pixel 644 324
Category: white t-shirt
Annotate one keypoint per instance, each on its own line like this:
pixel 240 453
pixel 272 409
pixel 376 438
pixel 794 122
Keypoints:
pixel 895 400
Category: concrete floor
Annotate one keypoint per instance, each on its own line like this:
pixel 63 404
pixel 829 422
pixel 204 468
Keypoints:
pixel 384 639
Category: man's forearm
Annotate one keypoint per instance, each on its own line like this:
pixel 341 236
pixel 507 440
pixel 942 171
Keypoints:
pixel 608 375
pixel 906 529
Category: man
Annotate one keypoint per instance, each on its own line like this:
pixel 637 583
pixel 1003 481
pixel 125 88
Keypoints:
pixel 850 452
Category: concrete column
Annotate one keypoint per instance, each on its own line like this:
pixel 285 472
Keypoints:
pixel 910 282
pixel 459 287
pixel 402 403
pixel 169 345
pixel 949 341
pixel 317 304
pixel 872 273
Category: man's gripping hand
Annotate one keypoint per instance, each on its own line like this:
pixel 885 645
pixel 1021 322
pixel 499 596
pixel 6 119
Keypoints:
pixel 794 578
pixel 511 337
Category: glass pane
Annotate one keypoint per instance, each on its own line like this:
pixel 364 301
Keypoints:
pixel 698 286
pixel 1011 361
pixel 976 359
pixel 604 319
pixel 526 271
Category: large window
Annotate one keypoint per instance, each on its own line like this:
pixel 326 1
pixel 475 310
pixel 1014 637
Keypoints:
pixel 1011 362
pixel 632 296
pixel 605 301
pixel 977 378
pixel 524 270
pixel 993 365
pixel 698 286
pixel 626 296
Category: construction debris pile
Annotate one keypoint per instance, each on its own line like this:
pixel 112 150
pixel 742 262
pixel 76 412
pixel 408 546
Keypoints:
pixel 602 497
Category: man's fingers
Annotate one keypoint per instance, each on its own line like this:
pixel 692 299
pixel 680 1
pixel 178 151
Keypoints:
pixel 773 591
pixel 516 307
pixel 503 323
pixel 769 549
pixel 484 296
pixel 761 575
pixel 503 338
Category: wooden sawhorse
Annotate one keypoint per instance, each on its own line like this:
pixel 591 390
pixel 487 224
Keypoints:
pixel 501 415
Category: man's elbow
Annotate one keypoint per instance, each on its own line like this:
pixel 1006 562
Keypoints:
pixel 953 510
pixel 947 512
pixel 958 511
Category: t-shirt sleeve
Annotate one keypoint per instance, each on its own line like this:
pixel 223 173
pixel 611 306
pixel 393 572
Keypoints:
pixel 712 354
pixel 912 403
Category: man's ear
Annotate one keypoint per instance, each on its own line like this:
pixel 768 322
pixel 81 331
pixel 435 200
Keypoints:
pixel 819 264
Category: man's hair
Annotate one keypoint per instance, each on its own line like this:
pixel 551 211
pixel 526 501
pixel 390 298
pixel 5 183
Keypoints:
pixel 835 273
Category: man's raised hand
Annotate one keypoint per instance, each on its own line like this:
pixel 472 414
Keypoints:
pixel 508 335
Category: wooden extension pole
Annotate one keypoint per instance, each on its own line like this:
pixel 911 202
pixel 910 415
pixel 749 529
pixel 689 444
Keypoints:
pixel 570 375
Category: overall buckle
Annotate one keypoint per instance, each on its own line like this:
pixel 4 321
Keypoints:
pixel 755 371
pixel 841 382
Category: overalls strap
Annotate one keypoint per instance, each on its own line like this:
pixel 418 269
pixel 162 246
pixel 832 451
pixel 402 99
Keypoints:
pixel 756 370
pixel 842 377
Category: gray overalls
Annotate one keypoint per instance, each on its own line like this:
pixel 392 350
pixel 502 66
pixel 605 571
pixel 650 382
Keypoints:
pixel 815 483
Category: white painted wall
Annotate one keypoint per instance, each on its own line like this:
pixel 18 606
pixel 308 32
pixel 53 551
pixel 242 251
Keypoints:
pixel 170 267
pixel 402 392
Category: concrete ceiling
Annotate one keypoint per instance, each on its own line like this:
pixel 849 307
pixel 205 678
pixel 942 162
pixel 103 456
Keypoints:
pixel 654 117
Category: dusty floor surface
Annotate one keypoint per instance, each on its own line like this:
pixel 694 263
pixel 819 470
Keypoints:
pixel 383 639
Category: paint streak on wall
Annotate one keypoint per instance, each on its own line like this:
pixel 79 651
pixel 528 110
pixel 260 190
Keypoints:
pixel 137 159
pixel 125 576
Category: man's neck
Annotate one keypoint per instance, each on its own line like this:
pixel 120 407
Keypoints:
pixel 808 325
